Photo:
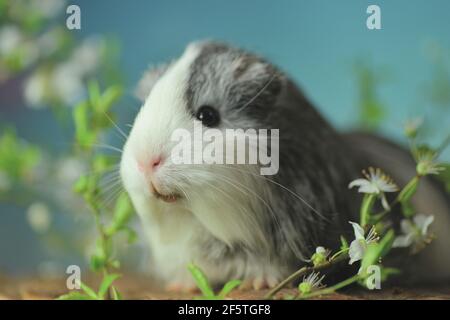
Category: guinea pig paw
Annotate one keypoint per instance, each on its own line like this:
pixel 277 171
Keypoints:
pixel 259 283
pixel 246 284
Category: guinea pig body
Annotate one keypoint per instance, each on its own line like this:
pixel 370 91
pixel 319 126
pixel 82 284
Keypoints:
pixel 229 219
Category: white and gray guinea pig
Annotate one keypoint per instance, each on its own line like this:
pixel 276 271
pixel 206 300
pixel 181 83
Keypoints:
pixel 230 220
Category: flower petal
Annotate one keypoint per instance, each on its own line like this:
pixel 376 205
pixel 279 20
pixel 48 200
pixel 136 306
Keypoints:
pixel 386 186
pixel 321 250
pixel 358 183
pixel 356 251
pixel 423 222
pixel 358 231
pixel 406 227
pixel 403 241
pixel 384 202
pixel 369 188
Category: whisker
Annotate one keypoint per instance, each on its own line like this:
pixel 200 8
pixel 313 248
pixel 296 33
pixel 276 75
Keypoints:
pixel 109 147
pixel 116 126
pixel 113 196
pixel 233 183
pixel 287 189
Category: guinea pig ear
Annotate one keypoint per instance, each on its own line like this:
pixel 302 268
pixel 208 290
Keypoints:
pixel 148 80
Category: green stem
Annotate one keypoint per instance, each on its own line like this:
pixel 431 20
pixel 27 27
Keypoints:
pixel 104 240
pixel 302 271
pixel 329 290
pixel 366 208
pixel 337 254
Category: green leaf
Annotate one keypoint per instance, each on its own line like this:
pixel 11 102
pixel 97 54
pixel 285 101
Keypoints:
pixel 90 292
pixel 228 287
pixel 344 243
pixel 115 264
pixel 100 257
pixel 387 272
pixel 94 93
pixel 74 295
pixel 102 162
pixel 201 281
pixel 116 294
pixel 106 283
pixel 17 157
pixel 83 135
pixel 386 243
pixel 366 209
pixel 405 196
pixel 97 262
pixel 444 176
pixel 123 212
pixel 81 185
pixel 111 95
pixel 409 190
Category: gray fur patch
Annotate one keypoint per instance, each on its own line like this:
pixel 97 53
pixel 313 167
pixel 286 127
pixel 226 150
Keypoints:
pixel 228 79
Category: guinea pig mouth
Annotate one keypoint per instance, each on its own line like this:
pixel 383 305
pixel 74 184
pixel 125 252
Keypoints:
pixel 167 198
pixel 172 197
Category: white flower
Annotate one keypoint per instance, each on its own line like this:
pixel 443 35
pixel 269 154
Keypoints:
pixel 311 282
pixel 376 182
pixel 38 215
pixel 35 90
pixel 10 39
pixel 69 170
pixel 359 245
pixel 413 232
pixel 86 57
pixel 67 83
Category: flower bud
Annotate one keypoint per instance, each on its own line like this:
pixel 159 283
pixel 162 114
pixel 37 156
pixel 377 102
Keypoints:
pixel 305 287
pixel 320 256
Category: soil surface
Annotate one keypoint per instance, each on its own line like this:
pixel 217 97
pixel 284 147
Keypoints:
pixel 133 287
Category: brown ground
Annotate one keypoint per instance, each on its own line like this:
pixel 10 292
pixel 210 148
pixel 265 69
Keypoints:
pixel 137 288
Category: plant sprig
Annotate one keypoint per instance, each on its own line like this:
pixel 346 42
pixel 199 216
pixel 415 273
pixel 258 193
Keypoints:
pixel 93 117
pixel 207 291
pixel 88 293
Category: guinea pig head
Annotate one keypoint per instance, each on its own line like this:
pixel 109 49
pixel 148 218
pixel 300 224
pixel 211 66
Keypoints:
pixel 217 88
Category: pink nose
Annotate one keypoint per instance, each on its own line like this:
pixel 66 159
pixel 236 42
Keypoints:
pixel 151 166
pixel 156 162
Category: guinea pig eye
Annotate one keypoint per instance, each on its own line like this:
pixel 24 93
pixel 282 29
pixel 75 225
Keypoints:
pixel 208 116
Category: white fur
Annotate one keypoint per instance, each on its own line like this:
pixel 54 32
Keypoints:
pixel 219 202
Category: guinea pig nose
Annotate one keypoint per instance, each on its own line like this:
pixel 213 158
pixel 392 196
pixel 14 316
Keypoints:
pixel 156 162
pixel 150 166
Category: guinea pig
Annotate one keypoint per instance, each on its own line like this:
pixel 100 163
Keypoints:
pixel 229 219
